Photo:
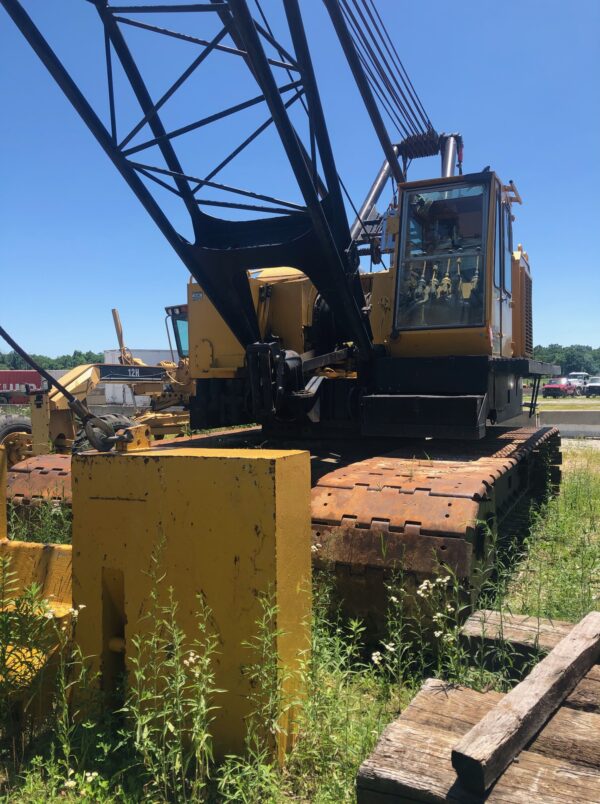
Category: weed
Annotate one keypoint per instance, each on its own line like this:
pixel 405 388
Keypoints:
pixel 47 522
pixel 344 710
pixel 169 702
pixel 26 637
pixel 559 576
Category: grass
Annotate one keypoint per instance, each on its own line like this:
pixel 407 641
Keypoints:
pixel 156 743
pixel 559 576
pixel 565 402
pixel 46 522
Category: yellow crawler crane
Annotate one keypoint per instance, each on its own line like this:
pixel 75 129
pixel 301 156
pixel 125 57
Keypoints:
pixel 396 381
pixel 410 476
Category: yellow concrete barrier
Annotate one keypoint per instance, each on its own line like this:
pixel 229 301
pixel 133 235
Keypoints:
pixel 232 524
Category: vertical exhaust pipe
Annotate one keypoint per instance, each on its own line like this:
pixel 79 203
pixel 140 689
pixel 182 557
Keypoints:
pixel 451 152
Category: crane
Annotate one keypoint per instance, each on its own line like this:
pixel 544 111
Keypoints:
pixel 435 346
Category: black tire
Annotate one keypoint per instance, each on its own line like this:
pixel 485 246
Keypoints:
pixel 578 392
pixel 3 400
pixel 81 443
pixel 11 423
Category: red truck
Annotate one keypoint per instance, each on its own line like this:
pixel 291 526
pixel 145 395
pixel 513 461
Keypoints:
pixel 13 382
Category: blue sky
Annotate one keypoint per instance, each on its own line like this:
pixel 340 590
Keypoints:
pixel 518 79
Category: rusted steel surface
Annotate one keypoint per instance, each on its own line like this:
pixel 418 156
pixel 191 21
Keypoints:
pixel 377 510
pixel 361 508
pixel 38 479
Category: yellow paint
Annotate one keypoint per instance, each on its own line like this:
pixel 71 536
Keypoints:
pixel 283 299
pixel 80 381
pixel 521 304
pixel 46 565
pixel 3 532
pixel 232 524
pixel 212 345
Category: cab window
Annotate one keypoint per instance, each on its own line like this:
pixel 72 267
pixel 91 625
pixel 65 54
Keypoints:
pixel 441 272
pixel 180 327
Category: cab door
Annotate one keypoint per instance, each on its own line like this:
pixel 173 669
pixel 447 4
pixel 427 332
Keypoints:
pixel 496 323
pixel 502 278
pixel 506 300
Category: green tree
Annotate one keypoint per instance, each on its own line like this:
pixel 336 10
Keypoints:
pixel 11 360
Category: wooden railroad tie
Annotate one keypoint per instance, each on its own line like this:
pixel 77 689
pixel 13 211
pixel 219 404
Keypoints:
pixel 482 755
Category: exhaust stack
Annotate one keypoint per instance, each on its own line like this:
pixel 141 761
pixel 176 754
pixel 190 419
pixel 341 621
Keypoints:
pixel 451 146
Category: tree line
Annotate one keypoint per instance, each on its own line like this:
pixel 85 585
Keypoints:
pixel 570 358
pixel 11 360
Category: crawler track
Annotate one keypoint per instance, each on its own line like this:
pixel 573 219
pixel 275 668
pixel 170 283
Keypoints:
pixel 418 508
pixel 406 512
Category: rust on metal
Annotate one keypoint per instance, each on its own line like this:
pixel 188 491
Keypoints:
pixel 378 510
pixel 40 479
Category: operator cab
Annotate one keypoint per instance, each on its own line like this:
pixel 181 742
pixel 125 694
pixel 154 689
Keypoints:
pixel 454 268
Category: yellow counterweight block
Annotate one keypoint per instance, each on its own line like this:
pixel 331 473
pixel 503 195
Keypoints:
pixel 228 525
pixel 2 493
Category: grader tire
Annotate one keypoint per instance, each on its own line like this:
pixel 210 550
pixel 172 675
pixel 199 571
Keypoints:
pixel 11 423
pixel 81 442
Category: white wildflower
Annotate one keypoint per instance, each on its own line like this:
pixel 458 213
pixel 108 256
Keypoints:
pixel 389 646
pixel 424 588
pixel 376 657
pixel 393 599
pixel 437 634
pixel 48 615
pixel 449 608
pixel 70 784
pixel 81 606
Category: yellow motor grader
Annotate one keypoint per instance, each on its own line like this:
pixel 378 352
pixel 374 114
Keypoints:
pixel 38 446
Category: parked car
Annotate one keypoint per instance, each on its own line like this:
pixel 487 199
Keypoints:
pixel 561 386
pixel 593 387
pixel 580 378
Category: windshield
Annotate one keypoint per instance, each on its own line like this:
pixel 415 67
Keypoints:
pixel 558 381
pixel 441 272
pixel 595 380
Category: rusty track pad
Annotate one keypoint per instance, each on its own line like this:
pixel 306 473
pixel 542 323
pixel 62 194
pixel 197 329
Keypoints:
pixel 39 479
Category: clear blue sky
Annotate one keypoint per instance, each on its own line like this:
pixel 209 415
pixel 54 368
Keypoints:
pixel 518 78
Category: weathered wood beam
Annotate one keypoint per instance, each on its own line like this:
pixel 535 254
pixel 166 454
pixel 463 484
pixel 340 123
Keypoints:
pixel 490 746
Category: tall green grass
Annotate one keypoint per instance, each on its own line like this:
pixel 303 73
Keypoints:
pixel 559 576
pixel 46 522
